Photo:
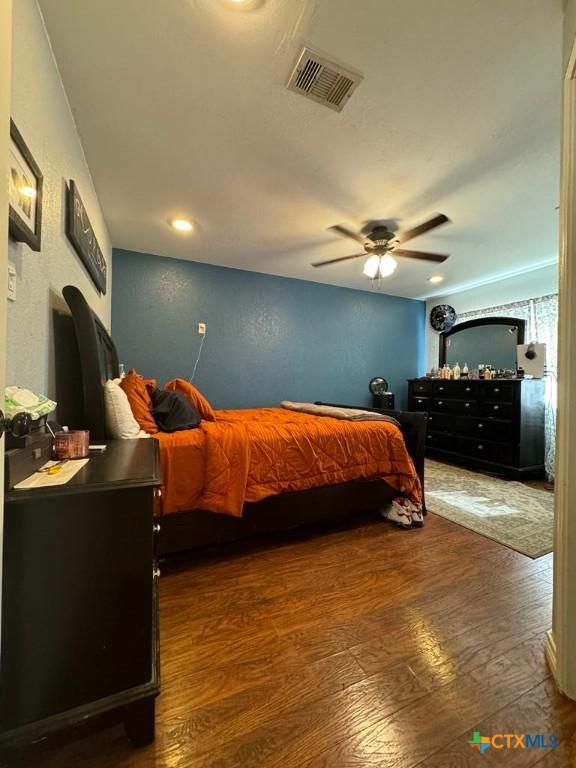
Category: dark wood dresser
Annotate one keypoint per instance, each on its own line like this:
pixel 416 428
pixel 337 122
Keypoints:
pixel 79 599
pixel 495 425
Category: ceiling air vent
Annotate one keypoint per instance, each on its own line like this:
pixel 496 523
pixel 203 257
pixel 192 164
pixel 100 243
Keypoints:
pixel 322 80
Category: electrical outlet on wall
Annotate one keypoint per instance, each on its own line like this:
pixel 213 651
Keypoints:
pixel 202 328
pixel 11 282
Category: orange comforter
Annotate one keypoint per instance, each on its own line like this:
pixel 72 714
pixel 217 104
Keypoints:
pixel 247 455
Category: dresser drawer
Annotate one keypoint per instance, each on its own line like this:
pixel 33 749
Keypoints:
pixel 445 389
pixel 440 422
pixel 439 440
pixel 454 406
pixel 499 390
pixel 421 388
pixel 485 429
pixel 420 403
pixel 484 449
pixel 468 388
pixel 462 388
pixel 497 410
pixel 464 406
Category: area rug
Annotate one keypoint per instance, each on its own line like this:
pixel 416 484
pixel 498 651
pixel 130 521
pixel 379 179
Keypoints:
pixel 509 512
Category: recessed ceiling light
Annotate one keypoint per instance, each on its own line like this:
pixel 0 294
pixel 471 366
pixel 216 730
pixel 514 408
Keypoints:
pixel 182 225
pixel 243 5
pixel 435 279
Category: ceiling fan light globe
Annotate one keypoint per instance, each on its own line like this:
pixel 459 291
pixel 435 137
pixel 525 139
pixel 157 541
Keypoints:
pixel 371 266
pixel 387 266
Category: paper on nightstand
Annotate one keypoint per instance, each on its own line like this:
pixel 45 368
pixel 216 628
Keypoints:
pixel 45 480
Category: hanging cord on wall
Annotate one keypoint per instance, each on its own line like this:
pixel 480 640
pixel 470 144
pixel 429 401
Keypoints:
pixel 197 359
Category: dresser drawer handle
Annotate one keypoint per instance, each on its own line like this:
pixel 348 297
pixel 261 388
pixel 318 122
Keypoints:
pixel 496 389
pixel 419 402
pixel 496 407
pixel 440 402
pixel 468 389
pixel 466 405
pixel 480 426
pixel 440 389
pixel 156 527
pixel 480 447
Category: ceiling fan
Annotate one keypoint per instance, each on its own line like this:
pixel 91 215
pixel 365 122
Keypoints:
pixel 381 247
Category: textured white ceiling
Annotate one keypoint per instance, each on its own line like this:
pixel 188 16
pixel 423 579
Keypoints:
pixel 182 110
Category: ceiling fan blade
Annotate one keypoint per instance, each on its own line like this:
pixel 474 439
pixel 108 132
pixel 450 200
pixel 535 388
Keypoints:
pixel 436 221
pixel 344 232
pixel 437 257
pixel 342 258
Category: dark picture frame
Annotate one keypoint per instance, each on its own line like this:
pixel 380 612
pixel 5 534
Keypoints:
pixel 82 236
pixel 25 193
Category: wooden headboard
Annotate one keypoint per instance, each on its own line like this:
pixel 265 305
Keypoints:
pixel 98 360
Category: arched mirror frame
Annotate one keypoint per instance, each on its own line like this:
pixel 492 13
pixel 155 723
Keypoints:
pixel 475 324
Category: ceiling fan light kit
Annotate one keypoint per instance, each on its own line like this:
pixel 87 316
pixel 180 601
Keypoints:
pixel 387 265
pixel 371 266
pixel 383 266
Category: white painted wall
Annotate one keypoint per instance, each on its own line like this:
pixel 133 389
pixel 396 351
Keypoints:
pixel 42 113
pixel 5 79
pixel 569 30
pixel 529 285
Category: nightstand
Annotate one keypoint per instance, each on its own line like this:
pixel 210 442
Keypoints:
pixel 384 401
pixel 79 599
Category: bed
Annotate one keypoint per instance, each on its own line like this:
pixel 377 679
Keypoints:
pixel 277 494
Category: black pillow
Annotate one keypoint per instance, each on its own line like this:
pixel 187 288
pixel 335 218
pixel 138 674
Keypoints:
pixel 173 412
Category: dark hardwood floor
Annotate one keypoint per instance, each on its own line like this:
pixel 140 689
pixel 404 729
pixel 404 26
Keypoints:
pixel 354 647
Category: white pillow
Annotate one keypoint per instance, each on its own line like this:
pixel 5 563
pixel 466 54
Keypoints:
pixel 120 421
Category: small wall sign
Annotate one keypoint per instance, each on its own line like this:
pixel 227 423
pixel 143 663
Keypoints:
pixel 81 235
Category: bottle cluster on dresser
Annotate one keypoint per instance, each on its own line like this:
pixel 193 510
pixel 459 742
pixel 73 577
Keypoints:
pixel 483 372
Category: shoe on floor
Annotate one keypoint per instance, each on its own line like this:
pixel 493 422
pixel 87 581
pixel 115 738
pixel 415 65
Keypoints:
pixel 417 518
pixel 398 514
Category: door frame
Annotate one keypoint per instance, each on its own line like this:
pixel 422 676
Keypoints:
pixel 561 640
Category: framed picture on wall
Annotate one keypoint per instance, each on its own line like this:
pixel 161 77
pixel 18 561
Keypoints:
pixel 25 193
pixel 83 238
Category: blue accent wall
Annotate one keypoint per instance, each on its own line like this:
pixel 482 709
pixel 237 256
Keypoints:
pixel 268 338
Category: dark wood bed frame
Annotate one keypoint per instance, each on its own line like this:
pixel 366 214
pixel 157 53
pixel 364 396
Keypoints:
pixel 181 531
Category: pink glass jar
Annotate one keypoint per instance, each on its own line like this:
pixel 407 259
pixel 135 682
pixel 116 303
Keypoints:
pixel 71 444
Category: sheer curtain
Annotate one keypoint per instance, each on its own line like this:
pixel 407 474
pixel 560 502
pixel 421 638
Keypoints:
pixel 541 316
